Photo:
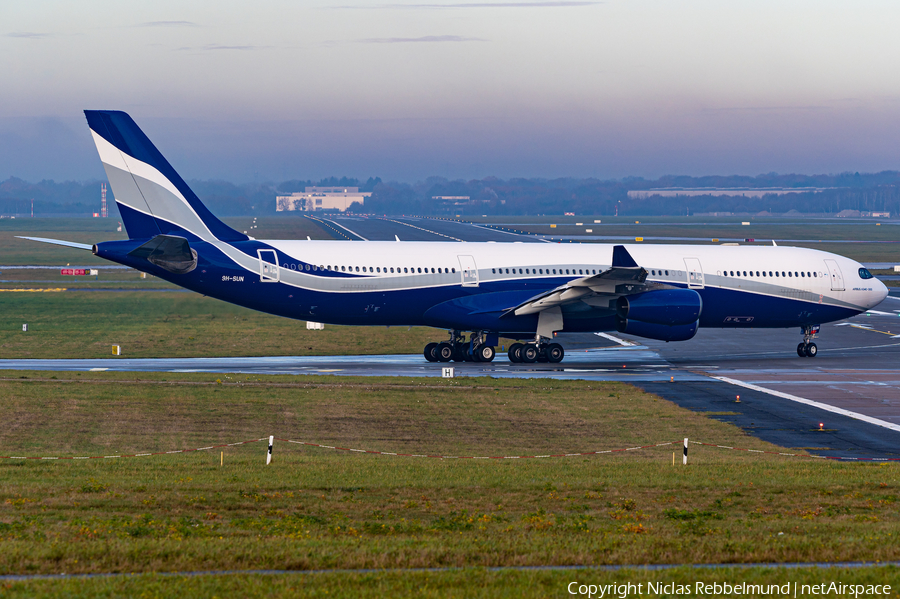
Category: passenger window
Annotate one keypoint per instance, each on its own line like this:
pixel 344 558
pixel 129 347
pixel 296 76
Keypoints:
pixel 405 270
pixel 802 274
pixel 579 271
pixel 526 271
pixel 667 273
pixel 789 274
pixel 567 271
pixel 453 270
pixel 420 270
pixel 494 270
pixel 815 274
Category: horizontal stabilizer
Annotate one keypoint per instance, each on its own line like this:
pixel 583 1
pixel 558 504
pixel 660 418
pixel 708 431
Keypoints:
pixel 70 244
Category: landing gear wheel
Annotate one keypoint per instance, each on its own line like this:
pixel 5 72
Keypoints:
pixel 459 352
pixel 529 354
pixel 444 352
pixel 811 350
pixel 483 353
pixel 555 353
pixel 467 354
pixel 801 350
pixel 515 353
pixel 429 352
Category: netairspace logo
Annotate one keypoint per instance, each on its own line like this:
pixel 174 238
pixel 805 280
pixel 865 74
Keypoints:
pixel 723 589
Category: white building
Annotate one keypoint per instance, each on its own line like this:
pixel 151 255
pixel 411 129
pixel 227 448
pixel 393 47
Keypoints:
pixel 321 198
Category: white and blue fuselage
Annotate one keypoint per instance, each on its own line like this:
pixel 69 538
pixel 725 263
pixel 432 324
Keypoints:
pixel 469 286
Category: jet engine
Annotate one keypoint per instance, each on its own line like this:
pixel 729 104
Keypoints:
pixel 668 307
pixel 664 314
pixel 680 332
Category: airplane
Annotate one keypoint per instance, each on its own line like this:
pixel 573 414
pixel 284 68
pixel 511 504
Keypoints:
pixel 522 292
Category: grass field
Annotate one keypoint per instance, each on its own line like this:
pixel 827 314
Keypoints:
pixel 468 582
pixel 161 324
pixel 315 508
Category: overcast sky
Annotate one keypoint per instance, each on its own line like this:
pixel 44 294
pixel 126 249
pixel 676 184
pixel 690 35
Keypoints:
pixel 283 89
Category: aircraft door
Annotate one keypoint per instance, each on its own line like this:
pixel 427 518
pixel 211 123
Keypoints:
pixel 694 273
pixel 268 266
pixel 837 279
pixel 469 271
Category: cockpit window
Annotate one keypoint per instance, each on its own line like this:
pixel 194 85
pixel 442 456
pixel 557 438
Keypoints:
pixel 865 274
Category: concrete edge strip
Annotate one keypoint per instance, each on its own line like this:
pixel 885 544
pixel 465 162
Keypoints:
pixel 576 567
pixel 809 402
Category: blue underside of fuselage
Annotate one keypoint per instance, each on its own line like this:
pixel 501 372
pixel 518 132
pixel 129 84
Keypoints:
pixel 451 306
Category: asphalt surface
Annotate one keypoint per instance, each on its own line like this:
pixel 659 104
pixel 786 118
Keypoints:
pixel 409 228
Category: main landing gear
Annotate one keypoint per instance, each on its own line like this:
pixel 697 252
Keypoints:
pixel 457 349
pixel 808 349
pixel 532 352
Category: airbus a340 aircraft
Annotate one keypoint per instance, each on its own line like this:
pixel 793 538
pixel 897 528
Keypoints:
pixel 524 292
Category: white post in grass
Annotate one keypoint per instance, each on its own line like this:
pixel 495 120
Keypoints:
pixel 684 459
pixel 269 454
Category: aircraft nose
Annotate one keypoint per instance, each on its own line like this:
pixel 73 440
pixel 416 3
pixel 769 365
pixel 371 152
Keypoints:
pixel 878 294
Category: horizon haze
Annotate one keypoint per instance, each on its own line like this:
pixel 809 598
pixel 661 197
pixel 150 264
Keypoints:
pixel 303 90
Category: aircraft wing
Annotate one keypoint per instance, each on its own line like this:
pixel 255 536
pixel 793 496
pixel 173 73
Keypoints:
pixel 71 244
pixel 622 278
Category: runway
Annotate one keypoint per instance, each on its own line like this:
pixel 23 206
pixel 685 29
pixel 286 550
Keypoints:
pixel 852 388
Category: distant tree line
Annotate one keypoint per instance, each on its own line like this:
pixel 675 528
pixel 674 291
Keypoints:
pixel 878 192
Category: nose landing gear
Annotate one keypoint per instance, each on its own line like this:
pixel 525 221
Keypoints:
pixel 808 349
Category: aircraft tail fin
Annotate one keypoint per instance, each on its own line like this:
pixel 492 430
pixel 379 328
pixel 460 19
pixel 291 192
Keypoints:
pixel 152 198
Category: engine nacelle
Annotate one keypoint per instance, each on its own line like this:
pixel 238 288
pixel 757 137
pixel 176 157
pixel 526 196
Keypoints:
pixel 670 307
pixel 680 332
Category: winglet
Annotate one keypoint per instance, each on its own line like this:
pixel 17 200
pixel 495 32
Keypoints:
pixel 773 243
pixel 621 258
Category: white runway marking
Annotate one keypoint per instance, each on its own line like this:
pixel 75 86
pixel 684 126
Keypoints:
pixel 333 222
pixel 809 402
pixel 622 342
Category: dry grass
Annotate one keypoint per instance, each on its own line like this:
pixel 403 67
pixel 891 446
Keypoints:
pixel 317 508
